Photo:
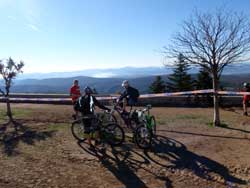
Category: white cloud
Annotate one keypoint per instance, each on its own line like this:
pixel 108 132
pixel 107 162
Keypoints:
pixel 104 75
pixel 27 12
pixel 33 27
pixel 30 10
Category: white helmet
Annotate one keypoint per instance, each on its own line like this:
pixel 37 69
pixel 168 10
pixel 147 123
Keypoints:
pixel 246 84
pixel 125 83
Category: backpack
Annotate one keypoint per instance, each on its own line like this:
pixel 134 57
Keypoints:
pixel 84 105
pixel 135 93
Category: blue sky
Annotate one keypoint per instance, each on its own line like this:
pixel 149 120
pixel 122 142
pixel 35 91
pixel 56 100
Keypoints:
pixel 68 35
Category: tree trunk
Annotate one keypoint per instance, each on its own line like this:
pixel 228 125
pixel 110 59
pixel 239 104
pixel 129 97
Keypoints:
pixel 9 112
pixel 216 121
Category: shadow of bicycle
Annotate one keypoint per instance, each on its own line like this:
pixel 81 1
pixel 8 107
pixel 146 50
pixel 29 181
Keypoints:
pixel 170 153
pixel 125 161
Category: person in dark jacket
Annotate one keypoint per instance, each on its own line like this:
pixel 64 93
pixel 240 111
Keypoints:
pixel 130 95
pixel 85 105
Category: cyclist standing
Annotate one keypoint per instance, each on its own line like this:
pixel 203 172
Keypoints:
pixel 75 94
pixel 246 98
pixel 85 105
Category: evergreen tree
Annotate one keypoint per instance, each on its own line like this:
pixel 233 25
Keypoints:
pixel 158 86
pixel 180 80
pixel 204 80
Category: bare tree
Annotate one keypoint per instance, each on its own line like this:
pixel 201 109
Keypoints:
pixel 213 41
pixel 9 70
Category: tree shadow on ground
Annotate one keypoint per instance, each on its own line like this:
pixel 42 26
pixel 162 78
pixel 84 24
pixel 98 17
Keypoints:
pixel 176 156
pixel 12 133
pixel 236 129
pixel 210 135
pixel 232 110
pixel 167 153
pixel 124 162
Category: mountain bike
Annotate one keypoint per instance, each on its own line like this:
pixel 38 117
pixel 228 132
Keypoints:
pixel 147 128
pixel 110 133
pixel 107 117
pixel 129 118
pixel 145 116
pixel 142 124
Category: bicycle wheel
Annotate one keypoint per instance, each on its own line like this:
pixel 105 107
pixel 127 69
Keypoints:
pixel 107 118
pixel 143 137
pixel 153 124
pixel 134 121
pixel 113 134
pixel 133 124
pixel 112 118
pixel 77 129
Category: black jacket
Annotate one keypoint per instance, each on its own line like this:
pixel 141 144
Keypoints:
pixel 86 103
pixel 130 92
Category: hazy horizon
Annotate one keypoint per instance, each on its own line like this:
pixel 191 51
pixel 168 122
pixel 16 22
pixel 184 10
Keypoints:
pixel 129 72
pixel 101 68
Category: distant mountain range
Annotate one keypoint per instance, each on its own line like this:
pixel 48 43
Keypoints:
pixel 62 85
pixel 140 78
pixel 107 85
pixel 129 72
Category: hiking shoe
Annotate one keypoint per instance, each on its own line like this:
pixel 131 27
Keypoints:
pixel 97 142
pixel 102 147
pixel 91 148
pixel 74 116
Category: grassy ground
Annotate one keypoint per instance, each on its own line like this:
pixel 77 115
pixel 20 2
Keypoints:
pixel 186 153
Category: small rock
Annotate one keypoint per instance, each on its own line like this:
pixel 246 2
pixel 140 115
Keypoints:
pixel 49 180
pixel 215 178
pixel 221 180
pixel 246 170
pixel 176 171
pixel 239 171
pixel 234 170
pixel 164 170
pixel 167 173
pixel 183 173
pixel 196 178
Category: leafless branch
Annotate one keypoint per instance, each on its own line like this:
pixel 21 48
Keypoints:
pixel 212 40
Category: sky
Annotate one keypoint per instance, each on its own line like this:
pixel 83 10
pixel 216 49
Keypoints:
pixel 73 35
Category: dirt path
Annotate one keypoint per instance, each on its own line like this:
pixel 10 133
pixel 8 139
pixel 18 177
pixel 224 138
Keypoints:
pixel 187 153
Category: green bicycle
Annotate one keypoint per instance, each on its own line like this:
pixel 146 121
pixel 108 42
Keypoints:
pixel 146 130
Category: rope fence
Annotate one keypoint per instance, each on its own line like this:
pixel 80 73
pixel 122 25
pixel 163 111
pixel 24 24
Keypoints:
pixel 65 99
